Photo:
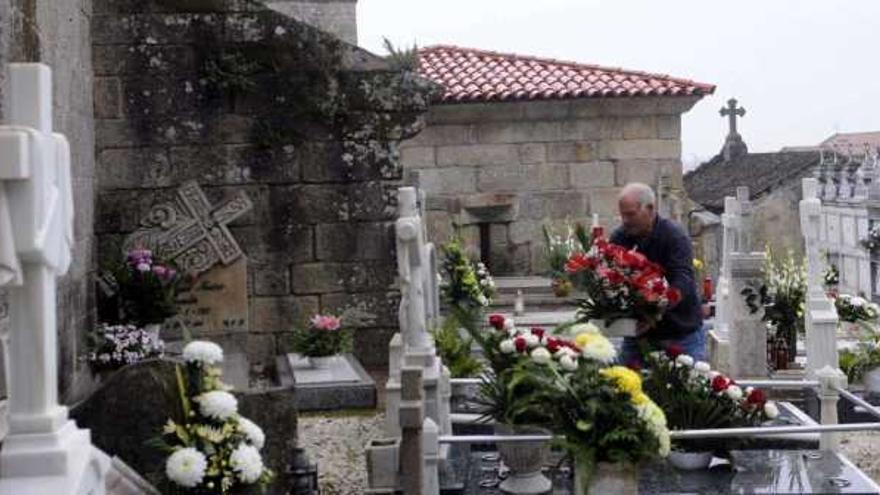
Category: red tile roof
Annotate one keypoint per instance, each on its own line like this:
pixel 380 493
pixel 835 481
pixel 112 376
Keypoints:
pixel 470 75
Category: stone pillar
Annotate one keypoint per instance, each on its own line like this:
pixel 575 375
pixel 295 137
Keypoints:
pixel 412 417
pixel 747 334
pixel 820 315
pixel 432 459
pixel 828 379
pixel 45 452
pixel 719 337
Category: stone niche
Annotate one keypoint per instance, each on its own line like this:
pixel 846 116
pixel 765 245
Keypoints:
pixel 246 101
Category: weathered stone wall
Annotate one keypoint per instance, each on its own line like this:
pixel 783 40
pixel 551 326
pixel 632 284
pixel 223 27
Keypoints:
pixel 57 34
pixel 237 97
pixel 520 165
pixel 776 222
pixel 338 17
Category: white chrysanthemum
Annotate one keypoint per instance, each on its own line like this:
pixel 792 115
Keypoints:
pixel 734 392
pixel 186 467
pixel 770 410
pixel 253 432
pixel 583 327
pixel 247 463
pixel 702 367
pixel 684 360
pixel 218 404
pixel 202 351
pixel 568 363
pixel 601 350
pixel 541 355
pixel 656 421
pixel 507 346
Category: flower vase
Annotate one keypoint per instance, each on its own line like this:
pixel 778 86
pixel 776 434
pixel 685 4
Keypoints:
pixel 690 461
pixel 321 362
pixel 616 478
pixel 525 460
pixel 871 380
pixel 621 327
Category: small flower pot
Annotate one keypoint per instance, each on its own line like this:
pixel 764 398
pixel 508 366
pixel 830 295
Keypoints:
pixel 619 479
pixel 322 362
pixel 690 461
pixel 525 460
pixel 871 379
pixel 621 327
pixel 383 462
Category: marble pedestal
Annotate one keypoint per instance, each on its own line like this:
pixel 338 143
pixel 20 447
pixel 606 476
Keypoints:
pixel 343 385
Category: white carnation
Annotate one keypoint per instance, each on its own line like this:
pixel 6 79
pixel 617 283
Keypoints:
pixel 509 324
pixel 601 350
pixel 532 340
pixel 217 404
pixel 541 355
pixel 702 367
pixel 186 467
pixel 684 360
pixel 770 410
pixel 734 392
pixel 253 432
pixel 568 363
pixel 507 346
pixel 202 351
pixel 712 375
pixel 247 463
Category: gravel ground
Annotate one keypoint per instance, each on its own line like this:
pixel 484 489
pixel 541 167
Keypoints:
pixel 336 441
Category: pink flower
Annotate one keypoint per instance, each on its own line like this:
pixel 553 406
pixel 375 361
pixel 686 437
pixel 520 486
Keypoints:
pixel 160 271
pixel 325 322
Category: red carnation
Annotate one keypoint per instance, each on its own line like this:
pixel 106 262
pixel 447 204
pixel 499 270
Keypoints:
pixel 674 350
pixel 578 262
pixel 520 344
pixel 674 295
pixel 553 345
pixel 720 383
pixel 757 397
pixel 571 345
pixel 497 321
pixel 538 332
pixel 598 232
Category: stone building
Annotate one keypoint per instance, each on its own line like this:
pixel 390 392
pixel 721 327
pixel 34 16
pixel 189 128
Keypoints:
pixel 516 142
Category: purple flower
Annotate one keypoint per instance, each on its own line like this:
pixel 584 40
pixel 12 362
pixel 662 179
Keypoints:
pixel 142 267
pixel 160 271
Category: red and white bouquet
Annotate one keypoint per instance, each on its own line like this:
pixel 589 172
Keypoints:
pixel 619 283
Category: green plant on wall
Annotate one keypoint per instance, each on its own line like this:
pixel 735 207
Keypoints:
pixel 455 349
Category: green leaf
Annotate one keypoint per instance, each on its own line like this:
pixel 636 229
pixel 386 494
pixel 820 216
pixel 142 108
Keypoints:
pixel 584 425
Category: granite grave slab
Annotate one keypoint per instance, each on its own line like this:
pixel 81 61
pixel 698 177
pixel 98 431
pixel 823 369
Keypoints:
pixel 343 385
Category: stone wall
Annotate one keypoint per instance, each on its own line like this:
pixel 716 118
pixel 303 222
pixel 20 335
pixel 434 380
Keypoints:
pixel 517 166
pixel 240 98
pixel 57 34
pixel 338 17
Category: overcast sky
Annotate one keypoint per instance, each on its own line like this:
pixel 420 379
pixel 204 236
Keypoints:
pixel 803 69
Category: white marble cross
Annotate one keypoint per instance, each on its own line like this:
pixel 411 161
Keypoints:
pixel 45 452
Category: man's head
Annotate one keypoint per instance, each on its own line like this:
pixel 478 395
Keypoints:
pixel 636 203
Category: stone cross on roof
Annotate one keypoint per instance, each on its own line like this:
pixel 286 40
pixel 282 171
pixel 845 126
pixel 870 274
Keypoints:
pixel 733 145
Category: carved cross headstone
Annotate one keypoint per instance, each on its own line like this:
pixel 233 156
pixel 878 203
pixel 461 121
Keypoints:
pixel 731 112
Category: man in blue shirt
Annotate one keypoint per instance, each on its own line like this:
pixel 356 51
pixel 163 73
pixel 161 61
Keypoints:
pixel 664 242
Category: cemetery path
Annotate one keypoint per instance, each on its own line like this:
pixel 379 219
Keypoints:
pixel 863 448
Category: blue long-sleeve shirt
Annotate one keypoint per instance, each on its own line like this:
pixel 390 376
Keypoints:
pixel 669 246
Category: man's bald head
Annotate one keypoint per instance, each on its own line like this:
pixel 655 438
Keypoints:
pixel 636 203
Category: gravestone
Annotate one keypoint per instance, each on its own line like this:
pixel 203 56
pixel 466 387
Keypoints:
pixel 342 385
pixel 193 233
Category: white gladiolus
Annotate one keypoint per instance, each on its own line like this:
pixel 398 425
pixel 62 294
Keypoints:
pixel 507 346
pixel 252 432
pixel 702 367
pixel 734 392
pixel 541 355
pixel 770 410
pixel 684 360
pixel 202 351
pixel 247 463
pixel 186 467
pixel 568 363
pixel 217 404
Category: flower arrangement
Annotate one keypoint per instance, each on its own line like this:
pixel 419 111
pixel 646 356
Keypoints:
pixel 146 287
pixel 468 285
pixel 212 449
pixel 860 360
pixel 114 346
pixel 619 283
pixel 570 386
pixel 872 242
pixel 324 336
pixel 558 250
pixel 831 277
pixel 856 309
pixel 693 396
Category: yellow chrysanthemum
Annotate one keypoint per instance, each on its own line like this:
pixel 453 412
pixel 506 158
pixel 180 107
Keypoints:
pixel 640 399
pixel 698 264
pixel 625 379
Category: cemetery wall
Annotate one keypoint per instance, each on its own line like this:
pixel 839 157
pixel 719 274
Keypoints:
pixel 517 166
pixel 776 222
pixel 243 99
pixel 338 17
pixel 57 34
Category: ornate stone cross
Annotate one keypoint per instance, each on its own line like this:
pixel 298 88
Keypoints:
pixel 731 112
pixel 191 231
